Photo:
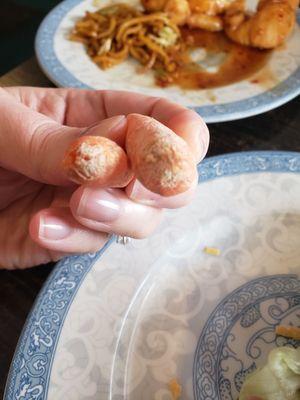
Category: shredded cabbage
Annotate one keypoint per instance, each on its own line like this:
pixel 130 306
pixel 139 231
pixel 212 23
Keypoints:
pixel 167 37
pixel 278 380
pixel 106 46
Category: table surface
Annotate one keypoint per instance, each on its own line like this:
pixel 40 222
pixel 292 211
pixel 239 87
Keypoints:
pixel 276 130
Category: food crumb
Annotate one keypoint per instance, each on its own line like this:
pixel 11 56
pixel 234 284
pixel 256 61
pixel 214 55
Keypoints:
pixel 211 96
pixel 291 332
pixel 175 389
pixel 213 251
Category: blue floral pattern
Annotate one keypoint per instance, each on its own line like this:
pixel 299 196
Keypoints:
pixel 28 377
pixel 249 162
pixel 269 299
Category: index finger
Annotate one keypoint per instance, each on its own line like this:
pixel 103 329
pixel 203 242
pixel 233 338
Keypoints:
pixel 184 122
pixel 97 105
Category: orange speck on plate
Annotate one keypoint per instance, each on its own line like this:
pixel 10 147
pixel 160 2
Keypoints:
pixel 213 251
pixel 175 389
pixel 291 332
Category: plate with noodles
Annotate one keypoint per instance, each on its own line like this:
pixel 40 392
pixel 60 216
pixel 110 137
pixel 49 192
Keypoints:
pixel 221 61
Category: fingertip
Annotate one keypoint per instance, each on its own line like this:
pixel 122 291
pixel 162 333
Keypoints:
pixel 191 127
pixel 55 229
pixel 139 194
pixel 34 226
pixel 75 200
pixel 113 128
pixel 111 211
pixel 103 206
pixel 51 224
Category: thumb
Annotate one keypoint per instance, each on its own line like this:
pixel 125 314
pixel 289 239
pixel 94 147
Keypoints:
pixel 34 144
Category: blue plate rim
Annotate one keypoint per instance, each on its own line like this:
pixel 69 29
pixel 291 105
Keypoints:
pixel 72 270
pixel 60 76
pixel 208 381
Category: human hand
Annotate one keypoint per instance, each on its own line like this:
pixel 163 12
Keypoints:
pixel 43 216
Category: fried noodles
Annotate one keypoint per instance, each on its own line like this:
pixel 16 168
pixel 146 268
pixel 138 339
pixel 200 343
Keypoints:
pixel 113 33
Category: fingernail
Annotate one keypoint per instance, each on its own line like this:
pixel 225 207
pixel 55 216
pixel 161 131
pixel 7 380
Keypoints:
pixel 140 194
pixel 52 228
pixel 190 124
pixel 98 206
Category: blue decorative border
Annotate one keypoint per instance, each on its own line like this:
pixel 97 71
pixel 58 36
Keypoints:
pixel 207 372
pixel 249 162
pixel 56 72
pixel 32 362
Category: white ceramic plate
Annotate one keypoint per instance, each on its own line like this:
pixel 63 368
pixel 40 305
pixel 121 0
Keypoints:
pixel 123 323
pixel 67 64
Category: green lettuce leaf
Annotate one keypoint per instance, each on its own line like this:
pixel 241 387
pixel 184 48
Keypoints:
pixel 278 380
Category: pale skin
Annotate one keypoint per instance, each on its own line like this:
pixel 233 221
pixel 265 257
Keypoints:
pixel 43 215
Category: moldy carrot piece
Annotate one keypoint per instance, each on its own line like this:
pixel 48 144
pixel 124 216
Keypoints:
pixel 97 159
pixel 160 159
pixel 175 389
